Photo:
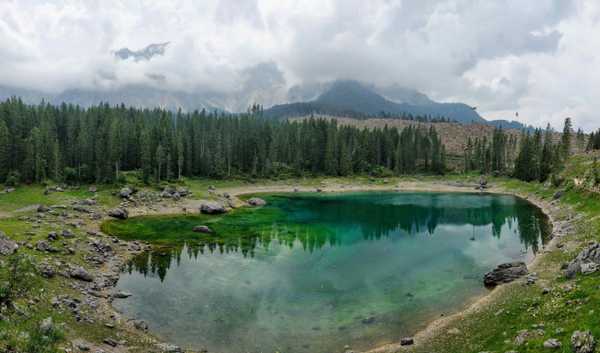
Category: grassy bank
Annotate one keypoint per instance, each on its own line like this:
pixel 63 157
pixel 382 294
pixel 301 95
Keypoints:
pixel 553 307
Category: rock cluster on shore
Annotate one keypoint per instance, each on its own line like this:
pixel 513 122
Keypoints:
pixel 505 273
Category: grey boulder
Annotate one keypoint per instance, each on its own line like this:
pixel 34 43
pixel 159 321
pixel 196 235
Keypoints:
pixel 118 213
pixel 583 261
pixel 505 273
pixel 256 201
pixel 7 246
pixel 212 208
pixel 202 229
pixel 583 342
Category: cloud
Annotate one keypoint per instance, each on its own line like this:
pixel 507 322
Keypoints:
pixel 502 56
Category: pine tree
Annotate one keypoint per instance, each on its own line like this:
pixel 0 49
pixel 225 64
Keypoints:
pixel 160 161
pixel 4 151
pixel 566 138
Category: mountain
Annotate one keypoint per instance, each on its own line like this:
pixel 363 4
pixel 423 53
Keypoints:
pixel 352 98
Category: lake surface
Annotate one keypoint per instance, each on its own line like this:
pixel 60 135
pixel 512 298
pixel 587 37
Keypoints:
pixel 311 273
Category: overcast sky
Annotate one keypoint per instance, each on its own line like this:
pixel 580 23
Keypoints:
pixel 539 57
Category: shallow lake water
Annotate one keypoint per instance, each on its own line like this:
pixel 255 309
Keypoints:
pixel 315 272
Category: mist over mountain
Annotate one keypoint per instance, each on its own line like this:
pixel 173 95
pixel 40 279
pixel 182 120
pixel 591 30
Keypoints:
pixel 344 98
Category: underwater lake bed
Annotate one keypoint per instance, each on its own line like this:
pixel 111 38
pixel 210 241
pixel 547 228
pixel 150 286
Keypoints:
pixel 316 272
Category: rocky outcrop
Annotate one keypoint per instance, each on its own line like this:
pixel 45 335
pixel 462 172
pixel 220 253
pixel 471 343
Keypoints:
pixel 256 202
pixel 212 208
pixel 7 246
pixel 118 213
pixel 505 273
pixel 586 262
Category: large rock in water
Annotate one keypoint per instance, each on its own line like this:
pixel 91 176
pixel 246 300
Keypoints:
pixel 202 229
pixel 505 273
pixel 587 256
pixel 212 208
pixel 256 201
pixel 7 246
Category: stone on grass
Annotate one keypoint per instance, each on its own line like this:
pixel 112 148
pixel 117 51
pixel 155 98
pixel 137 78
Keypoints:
pixel 43 209
pixel 583 342
pixel 125 193
pixel 552 343
pixel 212 208
pixel 7 245
pixel 589 267
pixel 81 274
pixel 118 213
pixel 46 326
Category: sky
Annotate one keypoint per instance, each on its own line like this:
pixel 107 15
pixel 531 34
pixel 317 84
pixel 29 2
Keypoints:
pixel 538 58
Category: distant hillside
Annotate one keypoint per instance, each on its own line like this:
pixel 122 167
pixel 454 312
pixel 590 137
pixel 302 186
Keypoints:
pixel 454 135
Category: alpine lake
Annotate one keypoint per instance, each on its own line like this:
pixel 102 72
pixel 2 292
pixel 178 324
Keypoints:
pixel 315 272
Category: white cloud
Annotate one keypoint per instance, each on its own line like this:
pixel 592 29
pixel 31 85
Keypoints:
pixel 536 57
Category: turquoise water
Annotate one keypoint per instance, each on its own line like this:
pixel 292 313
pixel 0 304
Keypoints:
pixel 315 272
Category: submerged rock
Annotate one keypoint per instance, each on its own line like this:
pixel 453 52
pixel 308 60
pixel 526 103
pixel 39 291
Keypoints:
pixel 7 246
pixel 212 208
pixel 202 229
pixel 122 295
pixel 256 201
pixel 505 273
pixel 169 348
pixel 118 213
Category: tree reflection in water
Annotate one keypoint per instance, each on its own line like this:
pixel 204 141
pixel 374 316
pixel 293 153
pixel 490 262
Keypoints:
pixel 315 221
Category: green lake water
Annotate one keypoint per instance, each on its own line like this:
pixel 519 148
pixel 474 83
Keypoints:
pixel 315 272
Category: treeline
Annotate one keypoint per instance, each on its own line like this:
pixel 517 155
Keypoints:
pixel 533 156
pixel 491 155
pixel 71 144
pixel 594 141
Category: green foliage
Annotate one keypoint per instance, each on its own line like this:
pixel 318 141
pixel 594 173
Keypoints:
pixel 13 179
pixel 43 341
pixel 17 278
pixel 494 155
